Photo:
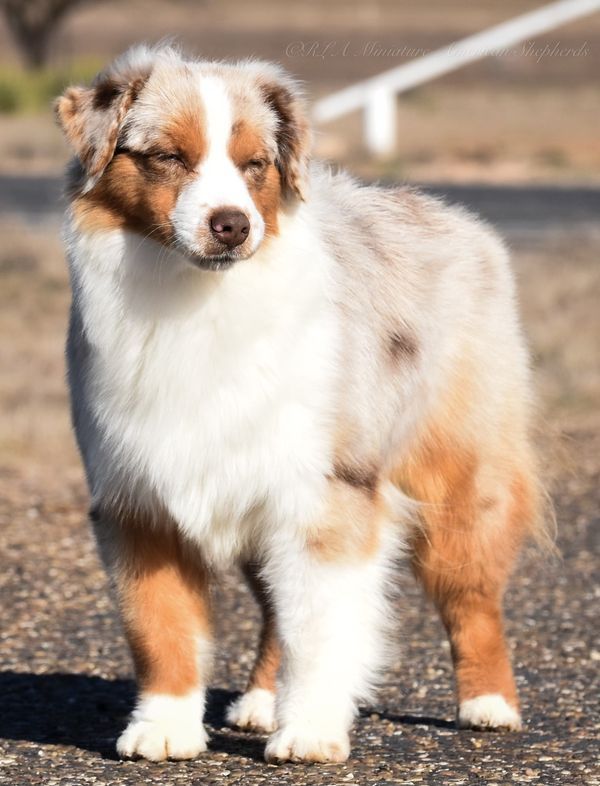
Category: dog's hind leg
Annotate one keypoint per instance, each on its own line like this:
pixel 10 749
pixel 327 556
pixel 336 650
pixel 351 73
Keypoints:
pixel 255 708
pixel 474 516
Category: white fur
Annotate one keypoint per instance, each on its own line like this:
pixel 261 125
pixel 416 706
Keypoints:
pixel 489 711
pixel 219 412
pixel 164 726
pixel 219 183
pixel 332 622
pixel 226 399
pixel 254 710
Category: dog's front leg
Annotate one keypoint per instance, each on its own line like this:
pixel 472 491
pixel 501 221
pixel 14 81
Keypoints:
pixel 329 594
pixel 162 590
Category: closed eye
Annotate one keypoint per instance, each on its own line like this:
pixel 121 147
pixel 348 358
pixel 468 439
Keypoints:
pixel 256 164
pixel 156 155
pixel 168 156
pixel 173 158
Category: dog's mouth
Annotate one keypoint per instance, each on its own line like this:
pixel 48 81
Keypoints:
pixel 213 262
pixel 220 260
pixel 212 258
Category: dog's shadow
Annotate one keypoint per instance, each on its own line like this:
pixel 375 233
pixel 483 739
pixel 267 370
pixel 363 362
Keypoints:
pixel 89 712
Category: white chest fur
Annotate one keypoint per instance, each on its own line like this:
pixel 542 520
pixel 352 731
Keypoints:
pixel 214 398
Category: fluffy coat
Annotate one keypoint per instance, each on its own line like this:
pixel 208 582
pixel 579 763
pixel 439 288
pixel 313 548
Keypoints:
pixel 349 381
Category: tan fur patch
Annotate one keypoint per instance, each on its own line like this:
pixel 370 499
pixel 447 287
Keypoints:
pixel 92 117
pixel 464 561
pixel 293 135
pixel 266 666
pixel 464 550
pixel 350 527
pixel 139 189
pixel 479 501
pixel 246 145
pixel 163 591
pixel 185 135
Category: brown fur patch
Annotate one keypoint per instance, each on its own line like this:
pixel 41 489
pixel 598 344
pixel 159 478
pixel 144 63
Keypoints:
pixel 479 502
pixel 91 119
pixel 464 550
pixel 293 136
pixel 163 596
pixel 479 651
pixel 107 91
pixel 139 189
pixel 402 346
pixel 245 147
pixel 185 135
pixel 135 194
pixel 266 666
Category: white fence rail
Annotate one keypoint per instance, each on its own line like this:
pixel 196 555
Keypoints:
pixel 376 96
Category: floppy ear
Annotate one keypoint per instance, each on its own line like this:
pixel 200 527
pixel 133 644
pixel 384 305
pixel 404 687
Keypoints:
pixel 293 135
pixel 91 117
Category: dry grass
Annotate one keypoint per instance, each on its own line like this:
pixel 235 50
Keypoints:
pixel 35 434
pixel 31 145
pixel 559 284
pixel 468 134
pixel 559 280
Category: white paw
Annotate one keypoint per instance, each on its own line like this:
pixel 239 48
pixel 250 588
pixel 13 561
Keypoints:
pixel 254 710
pixel 489 711
pixel 295 744
pixel 165 727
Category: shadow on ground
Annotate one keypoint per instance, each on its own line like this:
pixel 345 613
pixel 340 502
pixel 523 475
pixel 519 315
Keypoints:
pixel 81 710
pixel 88 712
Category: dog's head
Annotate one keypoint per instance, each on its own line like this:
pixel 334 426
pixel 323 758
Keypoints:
pixel 199 156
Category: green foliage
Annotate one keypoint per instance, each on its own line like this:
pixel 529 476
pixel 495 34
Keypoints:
pixel 9 99
pixel 34 91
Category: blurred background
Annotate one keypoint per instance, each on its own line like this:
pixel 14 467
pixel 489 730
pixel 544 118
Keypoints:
pixel 516 137
pixel 531 115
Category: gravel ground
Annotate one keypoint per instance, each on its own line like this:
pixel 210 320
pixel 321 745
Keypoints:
pixel 66 684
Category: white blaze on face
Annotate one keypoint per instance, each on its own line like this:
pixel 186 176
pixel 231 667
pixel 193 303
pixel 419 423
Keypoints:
pixel 219 183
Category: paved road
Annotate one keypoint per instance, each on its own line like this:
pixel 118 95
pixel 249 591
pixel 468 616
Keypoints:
pixel 65 679
pixel 512 207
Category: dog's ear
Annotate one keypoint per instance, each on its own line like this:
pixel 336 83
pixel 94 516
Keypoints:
pixel 284 96
pixel 91 117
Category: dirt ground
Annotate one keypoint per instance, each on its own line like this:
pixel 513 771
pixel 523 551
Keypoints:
pixel 65 674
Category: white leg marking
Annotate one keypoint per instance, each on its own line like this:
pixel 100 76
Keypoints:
pixel 332 618
pixel 488 711
pixel 254 710
pixel 164 727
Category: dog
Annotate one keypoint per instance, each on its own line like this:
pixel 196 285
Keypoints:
pixel 275 366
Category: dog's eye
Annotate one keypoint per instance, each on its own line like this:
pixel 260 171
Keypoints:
pixel 170 158
pixel 255 164
pixel 163 157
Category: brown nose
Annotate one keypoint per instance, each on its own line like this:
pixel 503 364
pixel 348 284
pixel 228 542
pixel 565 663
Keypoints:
pixel 230 227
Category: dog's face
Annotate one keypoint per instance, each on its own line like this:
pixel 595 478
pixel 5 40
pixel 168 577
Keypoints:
pixel 198 156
